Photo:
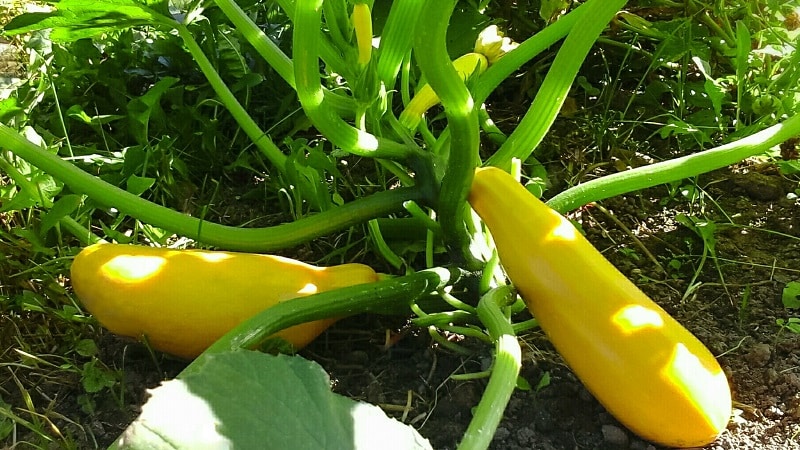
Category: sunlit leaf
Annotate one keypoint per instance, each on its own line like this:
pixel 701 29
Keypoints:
pixel 63 207
pixel 77 19
pixel 791 295
pixel 249 399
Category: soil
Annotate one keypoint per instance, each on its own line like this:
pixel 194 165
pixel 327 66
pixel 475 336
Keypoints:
pixel 732 306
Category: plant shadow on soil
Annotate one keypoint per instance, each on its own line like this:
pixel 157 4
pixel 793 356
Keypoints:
pixel 410 378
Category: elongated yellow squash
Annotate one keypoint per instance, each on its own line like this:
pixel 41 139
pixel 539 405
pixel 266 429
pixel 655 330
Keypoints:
pixel 646 369
pixel 184 300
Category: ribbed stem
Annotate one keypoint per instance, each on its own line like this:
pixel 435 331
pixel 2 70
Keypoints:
pixel 547 103
pixel 430 47
pixel 675 169
pixel 307 22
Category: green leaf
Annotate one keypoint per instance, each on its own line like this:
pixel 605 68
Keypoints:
pixel 36 243
pixel 793 324
pixel 543 382
pixel 86 347
pixel 7 422
pixel 551 9
pixel 78 19
pixel 10 107
pixel 791 295
pixel 249 399
pixel 140 109
pixel 743 48
pixel 95 377
pixel 137 185
pixel 76 112
pixel 523 384
pixel 18 201
pixel 61 208
pixel 716 94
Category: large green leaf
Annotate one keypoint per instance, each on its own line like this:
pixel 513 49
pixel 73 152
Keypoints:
pixel 77 19
pixel 252 400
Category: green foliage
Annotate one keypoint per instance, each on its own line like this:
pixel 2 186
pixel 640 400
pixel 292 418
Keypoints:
pixel 254 400
pixel 791 295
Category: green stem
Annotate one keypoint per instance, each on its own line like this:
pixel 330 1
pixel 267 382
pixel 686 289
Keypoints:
pixel 453 301
pixel 228 237
pixel 521 327
pixel 527 50
pixel 430 45
pixel 466 332
pixel 381 247
pixel 374 297
pixel 26 186
pixel 503 381
pixel 396 39
pixel 278 60
pixel 675 169
pixel 446 344
pixel 417 213
pixel 547 103
pixel 488 126
pixel 249 126
pixel 327 51
pixel 442 318
pixel 273 55
pixel 307 22
pixel 83 234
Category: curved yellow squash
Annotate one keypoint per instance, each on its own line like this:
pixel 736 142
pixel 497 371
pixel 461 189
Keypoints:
pixel 184 300
pixel 646 369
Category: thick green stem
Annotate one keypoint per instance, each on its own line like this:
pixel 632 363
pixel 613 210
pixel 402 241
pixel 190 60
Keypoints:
pixel 327 51
pixel 503 381
pixel 249 126
pixel 231 238
pixel 527 50
pixel 378 297
pixel 547 103
pixel 430 46
pixel 396 39
pixel 675 169
pixel 307 22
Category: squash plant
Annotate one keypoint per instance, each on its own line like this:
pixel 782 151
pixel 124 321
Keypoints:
pixel 379 116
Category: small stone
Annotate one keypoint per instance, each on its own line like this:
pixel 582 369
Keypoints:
pixel 773 412
pixel 771 376
pixel 615 435
pixel 759 355
pixel 525 435
pixel 501 434
pixel 792 380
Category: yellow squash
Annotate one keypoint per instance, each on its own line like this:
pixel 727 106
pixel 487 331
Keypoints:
pixel 184 300
pixel 646 369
